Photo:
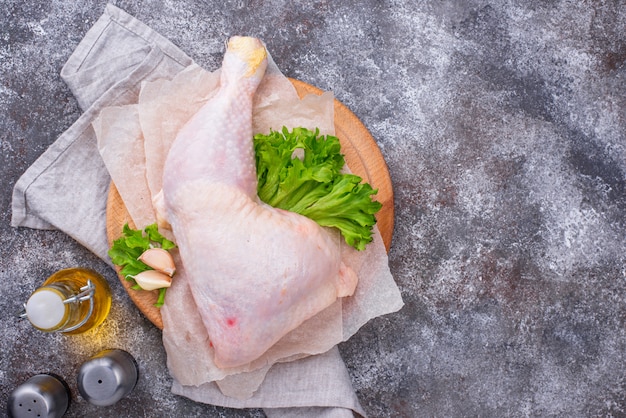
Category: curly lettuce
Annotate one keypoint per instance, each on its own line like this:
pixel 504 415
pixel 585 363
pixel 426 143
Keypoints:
pixel 301 171
pixel 126 250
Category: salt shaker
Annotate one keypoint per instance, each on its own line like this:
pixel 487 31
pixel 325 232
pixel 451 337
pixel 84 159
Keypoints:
pixel 43 395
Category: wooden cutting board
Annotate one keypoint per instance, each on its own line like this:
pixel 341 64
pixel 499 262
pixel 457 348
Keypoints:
pixel 362 156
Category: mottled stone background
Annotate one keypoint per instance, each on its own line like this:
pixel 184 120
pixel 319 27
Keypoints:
pixel 503 124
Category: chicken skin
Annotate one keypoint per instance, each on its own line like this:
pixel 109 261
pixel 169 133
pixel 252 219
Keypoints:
pixel 256 272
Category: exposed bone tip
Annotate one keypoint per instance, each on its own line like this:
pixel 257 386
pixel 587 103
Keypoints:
pixel 250 50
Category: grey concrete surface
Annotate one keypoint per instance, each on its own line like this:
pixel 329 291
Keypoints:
pixel 503 125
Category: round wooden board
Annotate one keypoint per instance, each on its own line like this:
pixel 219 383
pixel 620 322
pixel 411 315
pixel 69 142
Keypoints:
pixel 362 156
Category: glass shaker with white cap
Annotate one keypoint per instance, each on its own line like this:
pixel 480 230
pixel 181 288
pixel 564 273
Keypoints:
pixel 71 301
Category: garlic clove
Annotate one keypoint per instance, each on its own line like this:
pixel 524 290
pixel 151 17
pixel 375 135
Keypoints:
pixel 159 259
pixel 152 279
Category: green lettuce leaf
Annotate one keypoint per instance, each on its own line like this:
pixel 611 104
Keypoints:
pixel 300 171
pixel 126 250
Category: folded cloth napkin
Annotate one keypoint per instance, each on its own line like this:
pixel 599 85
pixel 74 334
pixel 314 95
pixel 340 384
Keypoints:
pixel 67 187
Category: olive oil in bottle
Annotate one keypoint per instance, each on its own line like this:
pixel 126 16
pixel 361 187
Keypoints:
pixel 71 301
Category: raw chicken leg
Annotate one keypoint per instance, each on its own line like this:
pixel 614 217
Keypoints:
pixel 256 272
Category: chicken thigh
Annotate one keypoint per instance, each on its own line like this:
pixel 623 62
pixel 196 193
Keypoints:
pixel 255 272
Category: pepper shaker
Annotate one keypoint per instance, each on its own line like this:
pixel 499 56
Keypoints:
pixel 107 377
